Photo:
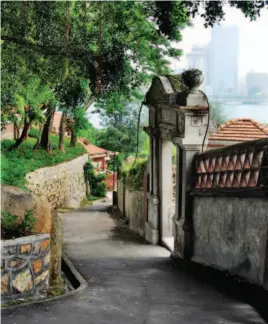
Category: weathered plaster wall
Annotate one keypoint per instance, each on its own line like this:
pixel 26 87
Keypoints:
pixel 230 233
pixel 25 266
pixel 62 185
pixel 120 196
pixel 133 209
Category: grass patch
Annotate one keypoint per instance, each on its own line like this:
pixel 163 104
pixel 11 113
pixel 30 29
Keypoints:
pixel 17 163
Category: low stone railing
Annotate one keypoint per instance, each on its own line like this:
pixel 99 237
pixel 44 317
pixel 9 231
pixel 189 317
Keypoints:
pixel 25 266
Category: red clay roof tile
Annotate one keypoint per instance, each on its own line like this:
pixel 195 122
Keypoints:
pixel 243 129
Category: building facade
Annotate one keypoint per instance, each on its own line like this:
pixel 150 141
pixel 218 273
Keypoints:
pixel 223 59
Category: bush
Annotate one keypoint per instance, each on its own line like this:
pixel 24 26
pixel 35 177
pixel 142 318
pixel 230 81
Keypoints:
pixel 34 133
pixel 11 228
pixel 17 163
pixel 97 186
pixel 99 190
pixel 133 175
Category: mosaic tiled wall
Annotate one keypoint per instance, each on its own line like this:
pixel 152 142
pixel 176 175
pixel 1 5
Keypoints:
pixel 24 266
pixel 234 167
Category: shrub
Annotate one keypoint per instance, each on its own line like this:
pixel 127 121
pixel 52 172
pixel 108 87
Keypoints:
pixel 11 228
pixel 34 133
pixel 97 186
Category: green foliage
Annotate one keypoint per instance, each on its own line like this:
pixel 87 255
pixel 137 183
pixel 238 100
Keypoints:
pixel 27 223
pixel 134 174
pixel 213 11
pixel 80 121
pixel 9 225
pixel 217 114
pixel 120 132
pixel 12 228
pixel 17 163
pixel 34 132
pixel 91 133
pixel 97 186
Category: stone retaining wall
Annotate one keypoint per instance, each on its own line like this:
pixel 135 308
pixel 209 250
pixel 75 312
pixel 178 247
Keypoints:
pixel 62 185
pixel 25 264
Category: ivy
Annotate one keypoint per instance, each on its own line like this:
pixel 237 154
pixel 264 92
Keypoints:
pixel 133 176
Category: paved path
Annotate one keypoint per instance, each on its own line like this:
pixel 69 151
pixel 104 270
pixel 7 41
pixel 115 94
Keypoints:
pixel 129 282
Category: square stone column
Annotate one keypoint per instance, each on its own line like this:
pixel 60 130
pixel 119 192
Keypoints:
pixel 152 225
pixel 195 140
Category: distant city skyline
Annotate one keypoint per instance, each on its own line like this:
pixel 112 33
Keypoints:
pixel 252 51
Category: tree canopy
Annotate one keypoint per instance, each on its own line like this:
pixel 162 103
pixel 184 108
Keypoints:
pixel 79 51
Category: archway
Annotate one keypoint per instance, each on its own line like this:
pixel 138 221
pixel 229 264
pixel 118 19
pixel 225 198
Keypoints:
pixel 179 118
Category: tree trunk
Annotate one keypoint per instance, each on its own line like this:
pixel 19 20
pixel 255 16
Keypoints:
pixel 24 134
pixel 73 138
pixel 16 131
pixel 61 131
pixel 45 140
pixel 39 138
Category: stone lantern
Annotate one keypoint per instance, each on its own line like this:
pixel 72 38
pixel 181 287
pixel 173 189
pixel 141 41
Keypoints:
pixel 176 116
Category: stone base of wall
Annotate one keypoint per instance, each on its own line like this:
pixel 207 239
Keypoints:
pixel 25 264
pixel 151 235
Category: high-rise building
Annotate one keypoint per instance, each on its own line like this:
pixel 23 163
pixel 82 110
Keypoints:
pixel 256 83
pixel 197 59
pixel 223 59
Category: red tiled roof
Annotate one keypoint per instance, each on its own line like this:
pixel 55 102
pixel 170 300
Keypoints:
pixel 243 129
pixel 95 150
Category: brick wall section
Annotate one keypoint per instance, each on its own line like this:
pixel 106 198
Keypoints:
pixel 62 185
pixel 25 266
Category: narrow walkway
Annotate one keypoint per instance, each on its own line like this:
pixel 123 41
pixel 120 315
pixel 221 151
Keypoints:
pixel 129 282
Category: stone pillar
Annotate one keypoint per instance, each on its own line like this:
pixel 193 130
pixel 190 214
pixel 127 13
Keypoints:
pixel 166 189
pixel 184 203
pixel 152 225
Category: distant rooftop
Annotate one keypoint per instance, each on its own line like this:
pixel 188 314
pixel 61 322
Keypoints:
pixel 94 150
pixel 240 130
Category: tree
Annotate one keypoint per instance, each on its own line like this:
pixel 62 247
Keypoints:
pixel 119 117
pixel 213 11
pixel 76 121
pixel 115 46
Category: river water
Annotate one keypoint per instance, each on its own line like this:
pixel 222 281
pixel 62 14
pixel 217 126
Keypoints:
pixel 257 112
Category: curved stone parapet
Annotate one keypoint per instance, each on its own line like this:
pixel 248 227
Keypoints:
pixel 25 264
pixel 63 185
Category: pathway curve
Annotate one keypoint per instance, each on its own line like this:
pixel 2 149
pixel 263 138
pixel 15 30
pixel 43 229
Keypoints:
pixel 129 282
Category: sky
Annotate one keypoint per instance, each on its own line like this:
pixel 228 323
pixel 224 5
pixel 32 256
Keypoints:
pixel 253 40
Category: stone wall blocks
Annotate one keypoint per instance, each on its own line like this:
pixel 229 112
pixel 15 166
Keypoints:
pixel 26 273
pixel 25 248
pixel 16 262
pixel 9 250
pixel 23 281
